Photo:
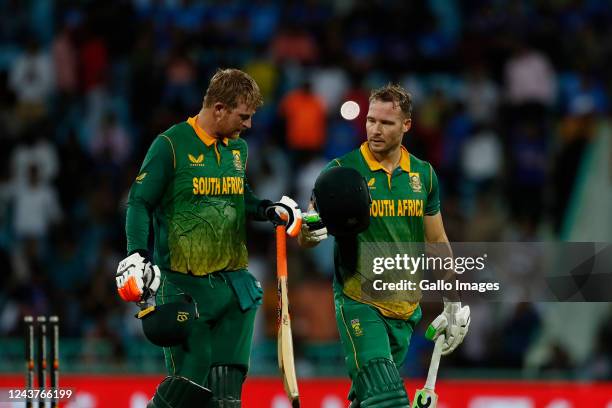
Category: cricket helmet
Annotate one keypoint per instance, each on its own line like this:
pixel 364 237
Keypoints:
pixel 342 198
pixel 169 324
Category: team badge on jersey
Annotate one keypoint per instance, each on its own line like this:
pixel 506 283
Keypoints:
pixel 371 183
pixel 356 325
pixel 196 161
pixel 237 160
pixel 415 182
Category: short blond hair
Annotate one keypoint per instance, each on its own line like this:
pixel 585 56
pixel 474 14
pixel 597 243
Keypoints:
pixel 396 94
pixel 231 87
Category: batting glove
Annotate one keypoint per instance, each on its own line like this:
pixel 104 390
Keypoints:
pixel 137 278
pixel 453 322
pixel 287 212
pixel 313 229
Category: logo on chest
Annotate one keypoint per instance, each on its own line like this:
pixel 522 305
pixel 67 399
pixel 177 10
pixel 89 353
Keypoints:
pixel 237 160
pixel 196 161
pixel 415 182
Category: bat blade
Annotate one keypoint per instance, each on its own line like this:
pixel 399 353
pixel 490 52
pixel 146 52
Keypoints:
pixel 285 347
pixel 425 398
pixel 284 339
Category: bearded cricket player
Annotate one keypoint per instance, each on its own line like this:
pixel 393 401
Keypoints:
pixel 403 205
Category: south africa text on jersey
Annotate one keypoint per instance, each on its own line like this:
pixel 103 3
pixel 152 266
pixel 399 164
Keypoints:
pixel 218 185
pixel 396 208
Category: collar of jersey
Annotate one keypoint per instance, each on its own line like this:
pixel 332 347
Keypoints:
pixel 202 135
pixel 374 164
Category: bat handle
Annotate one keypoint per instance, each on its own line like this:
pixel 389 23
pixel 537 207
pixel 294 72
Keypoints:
pixel 281 251
pixel 432 374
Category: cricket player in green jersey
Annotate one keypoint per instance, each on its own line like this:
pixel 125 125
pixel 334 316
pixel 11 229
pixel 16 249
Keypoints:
pixel 405 207
pixel 192 189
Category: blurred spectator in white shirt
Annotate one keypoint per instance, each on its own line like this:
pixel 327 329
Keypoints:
pixel 37 207
pixel 530 78
pixel 482 156
pixel 31 78
pixel 37 150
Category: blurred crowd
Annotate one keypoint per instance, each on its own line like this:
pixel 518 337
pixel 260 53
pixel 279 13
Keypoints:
pixel 508 95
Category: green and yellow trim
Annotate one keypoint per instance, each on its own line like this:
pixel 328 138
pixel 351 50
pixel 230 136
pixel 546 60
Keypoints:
pixel 172 147
pixel 348 332
pixel 374 164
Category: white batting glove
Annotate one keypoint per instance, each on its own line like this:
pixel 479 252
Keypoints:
pixel 313 230
pixel 286 211
pixel 453 322
pixel 137 278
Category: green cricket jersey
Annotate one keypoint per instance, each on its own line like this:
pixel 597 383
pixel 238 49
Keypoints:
pixel 400 200
pixel 194 190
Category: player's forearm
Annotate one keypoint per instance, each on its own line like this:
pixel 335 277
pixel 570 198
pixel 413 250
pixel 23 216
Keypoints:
pixel 254 206
pixel 147 190
pixel 256 209
pixel 137 225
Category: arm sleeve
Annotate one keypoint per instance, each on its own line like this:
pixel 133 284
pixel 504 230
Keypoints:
pixel 433 196
pixel 155 174
pixel 253 205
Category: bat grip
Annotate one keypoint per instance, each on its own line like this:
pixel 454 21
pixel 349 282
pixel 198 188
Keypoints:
pixel 281 251
pixel 432 374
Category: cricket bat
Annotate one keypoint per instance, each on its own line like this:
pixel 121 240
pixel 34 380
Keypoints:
pixel 426 397
pixel 284 339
